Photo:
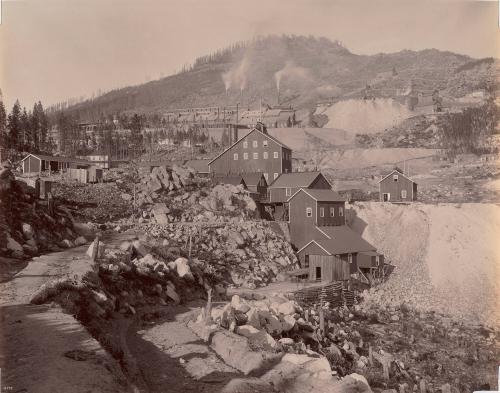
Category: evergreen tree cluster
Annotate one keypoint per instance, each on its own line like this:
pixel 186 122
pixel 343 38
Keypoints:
pixel 24 130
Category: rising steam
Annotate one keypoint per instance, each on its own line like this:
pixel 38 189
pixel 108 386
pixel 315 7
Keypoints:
pixel 237 76
pixel 291 71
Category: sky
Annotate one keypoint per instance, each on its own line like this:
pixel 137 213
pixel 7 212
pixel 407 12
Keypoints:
pixel 51 50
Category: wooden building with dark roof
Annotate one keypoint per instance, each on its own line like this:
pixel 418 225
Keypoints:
pixel 255 152
pixel 288 184
pixel 326 245
pixel 397 187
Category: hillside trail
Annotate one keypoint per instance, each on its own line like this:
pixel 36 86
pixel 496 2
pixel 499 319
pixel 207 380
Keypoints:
pixel 170 357
pixel 44 350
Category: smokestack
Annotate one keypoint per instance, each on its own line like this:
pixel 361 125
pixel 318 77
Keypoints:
pixel 278 95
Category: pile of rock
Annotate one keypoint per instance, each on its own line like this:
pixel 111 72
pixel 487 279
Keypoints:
pixel 393 348
pixel 156 181
pixel 200 202
pixel 28 225
pixel 131 276
pixel 242 252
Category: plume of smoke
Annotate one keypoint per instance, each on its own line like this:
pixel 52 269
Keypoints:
pixel 290 70
pixel 237 75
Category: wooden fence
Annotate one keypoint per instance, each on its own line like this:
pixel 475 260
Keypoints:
pixel 333 293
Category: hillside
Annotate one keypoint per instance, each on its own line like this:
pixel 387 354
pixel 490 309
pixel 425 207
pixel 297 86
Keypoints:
pixel 306 70
pixel 445 256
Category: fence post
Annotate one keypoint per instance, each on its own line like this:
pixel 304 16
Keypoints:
pixel 95 250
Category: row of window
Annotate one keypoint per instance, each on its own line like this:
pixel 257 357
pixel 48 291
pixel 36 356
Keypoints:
pixel 255 144
pixel 309 212
pixel 255 155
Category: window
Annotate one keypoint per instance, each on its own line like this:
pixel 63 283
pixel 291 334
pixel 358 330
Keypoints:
pixel 332 212
pixel 276 154
pixel 235 156
pixel 255 144
pixel 288 191
pixel 321 211
pixel 309 212
pixel 341 211
pixel 245 156
pixel 245 144
pixel 276 175
pixel 306 261
pixel 403 194
pixel 377 260
pixel 266 175
pixel 266 155
pixel 395 177
pixel 255 156
pixel 349 258
pixel 264 142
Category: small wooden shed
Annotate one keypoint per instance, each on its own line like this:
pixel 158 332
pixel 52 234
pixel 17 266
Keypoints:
pixel 397 187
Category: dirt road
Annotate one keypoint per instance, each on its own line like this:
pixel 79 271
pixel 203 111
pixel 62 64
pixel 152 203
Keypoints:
pixel 42 349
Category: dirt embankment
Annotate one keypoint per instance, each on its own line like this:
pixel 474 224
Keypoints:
pixel 445 255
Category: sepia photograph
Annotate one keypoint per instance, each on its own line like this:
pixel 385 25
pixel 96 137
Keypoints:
pixel 230 196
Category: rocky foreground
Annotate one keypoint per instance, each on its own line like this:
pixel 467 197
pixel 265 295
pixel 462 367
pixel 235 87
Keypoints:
pixel 29 226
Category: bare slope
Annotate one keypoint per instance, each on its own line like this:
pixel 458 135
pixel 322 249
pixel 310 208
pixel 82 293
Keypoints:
pixel 446 256
pixel 367 116
pixel 307 69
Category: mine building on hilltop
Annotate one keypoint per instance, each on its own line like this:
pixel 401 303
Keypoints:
pixel 397 187
pixel 256 152
pixel 326 246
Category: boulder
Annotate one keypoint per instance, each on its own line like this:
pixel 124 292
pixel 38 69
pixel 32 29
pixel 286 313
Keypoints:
pixel 160 211
pixel 287 308
pixel 253 318
pixel 125 246
pixel 288 323
pixel 262 340
pixel 286 341
pixel 180 265
pixel 172 294
pixel 238 304
pixel 28 231
pixel 141 248
pixel 246 331
pixel 13 245
pixel 80 241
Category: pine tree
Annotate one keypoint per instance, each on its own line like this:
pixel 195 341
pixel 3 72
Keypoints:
pixel 25 143
pixel 3 125
pixel 14 126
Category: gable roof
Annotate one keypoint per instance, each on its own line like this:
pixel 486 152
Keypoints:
pixel 46 157
pixel 200 166
pixel 253 179
pixel 399 173
pixel 320 195
pixel 342 240
pixel 241 139
pixel 235 180
pixel 295 180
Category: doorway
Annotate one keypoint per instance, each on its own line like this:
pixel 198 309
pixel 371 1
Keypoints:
pixel 318 273
pixel 387 197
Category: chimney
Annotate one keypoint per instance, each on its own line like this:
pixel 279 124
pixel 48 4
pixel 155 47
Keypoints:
pixel 235 133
